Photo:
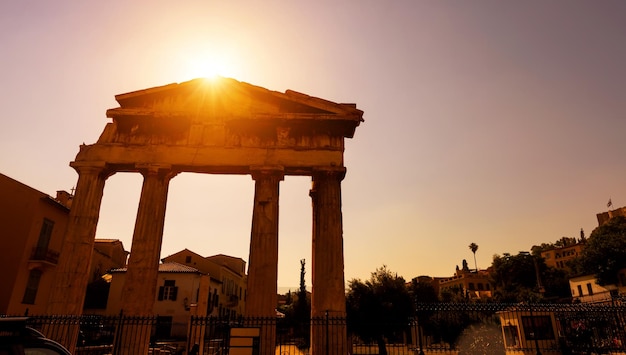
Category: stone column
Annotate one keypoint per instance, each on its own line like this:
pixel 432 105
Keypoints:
pixel 263 261
pixel 68 292
pixel 139 290
pixel 328 299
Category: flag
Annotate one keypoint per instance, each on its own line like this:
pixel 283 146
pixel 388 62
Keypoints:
pixel 609 204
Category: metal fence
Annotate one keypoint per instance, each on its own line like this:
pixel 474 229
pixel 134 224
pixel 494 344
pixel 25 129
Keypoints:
pixel 495 328
pixel 435 328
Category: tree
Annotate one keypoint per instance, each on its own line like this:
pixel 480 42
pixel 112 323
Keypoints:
pixel 303 308
pixel 297 311
pixel 473 247
pixel 378 308
pixel 526 277
pixel 422 290
pixel 302 311
pixel 605 251
pixel 514 278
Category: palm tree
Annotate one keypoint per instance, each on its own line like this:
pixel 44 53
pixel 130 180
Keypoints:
pixel 473 247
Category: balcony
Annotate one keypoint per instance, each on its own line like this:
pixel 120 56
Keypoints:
pixel 44 256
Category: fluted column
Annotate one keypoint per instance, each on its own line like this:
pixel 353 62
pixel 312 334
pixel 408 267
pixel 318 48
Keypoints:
pixel 263 259
pixel 328 296
pixel 139 290
pixel 68 292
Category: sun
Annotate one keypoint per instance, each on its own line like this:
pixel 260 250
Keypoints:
pixel 208 67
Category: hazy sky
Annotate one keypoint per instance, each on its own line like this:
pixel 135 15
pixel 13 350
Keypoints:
pixel 495 122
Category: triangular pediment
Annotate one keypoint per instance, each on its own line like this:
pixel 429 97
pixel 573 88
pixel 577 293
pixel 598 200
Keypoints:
pixel 225 97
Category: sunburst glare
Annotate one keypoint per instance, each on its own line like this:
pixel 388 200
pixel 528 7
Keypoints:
pixel 208 66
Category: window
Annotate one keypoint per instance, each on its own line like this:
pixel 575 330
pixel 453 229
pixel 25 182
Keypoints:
pixel 471 286
pixel 168 291
pixel 537 327
pixel 589 289
pixel 31 286
pixel 480 286
pixel 188 259
pixel 580 290
pixel 45 233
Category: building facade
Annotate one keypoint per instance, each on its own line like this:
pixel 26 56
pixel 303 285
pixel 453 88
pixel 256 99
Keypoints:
pixel 32 226
pixel 472 284
pixel 586 290
pixel 228 279
pixel 182 291
pixel 558 257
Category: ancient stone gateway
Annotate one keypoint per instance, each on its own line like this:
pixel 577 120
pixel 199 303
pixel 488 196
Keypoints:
pixel 221 126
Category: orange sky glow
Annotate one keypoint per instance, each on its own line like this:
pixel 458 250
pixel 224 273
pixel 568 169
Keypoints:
pixel 498 123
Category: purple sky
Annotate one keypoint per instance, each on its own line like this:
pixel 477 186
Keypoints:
pixel 499 123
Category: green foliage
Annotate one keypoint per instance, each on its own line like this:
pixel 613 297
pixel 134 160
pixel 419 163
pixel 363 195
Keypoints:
pixel 561 243
pixel 605 251
pixel 474 247
pixel 298 312
pixel 303 304
pixel 515 279
pixel 378 308
pixel 422 290
pixel 453 294
pixel 512 275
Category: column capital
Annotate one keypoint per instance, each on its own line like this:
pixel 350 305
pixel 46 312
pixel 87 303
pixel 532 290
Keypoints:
pixel 97 168
pixel 261 171
pixel 163 170
pixel 329 171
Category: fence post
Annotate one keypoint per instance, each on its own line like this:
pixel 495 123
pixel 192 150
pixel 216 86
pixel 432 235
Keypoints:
pixel 117 338
pixel 327 335
pixel 532 324
pixel 419 333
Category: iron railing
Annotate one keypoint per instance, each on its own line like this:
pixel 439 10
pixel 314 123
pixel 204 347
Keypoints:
pixel 434 328
pixel 44 254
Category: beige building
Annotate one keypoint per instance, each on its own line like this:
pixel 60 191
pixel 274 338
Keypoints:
pixel 558 257
pixel 181 291
pixel 227 280
pixel 585 288
pixel 33 226
pixel 473 284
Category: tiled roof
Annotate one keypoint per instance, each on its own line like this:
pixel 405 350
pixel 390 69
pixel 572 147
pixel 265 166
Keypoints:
pixel 167 267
